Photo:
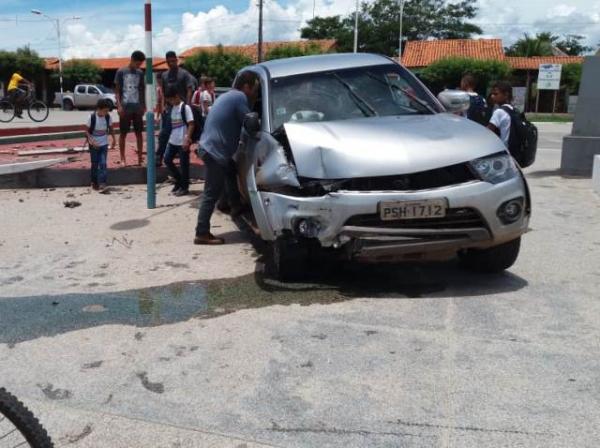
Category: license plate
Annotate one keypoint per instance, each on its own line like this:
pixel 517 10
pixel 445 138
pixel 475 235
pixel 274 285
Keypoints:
pixel 431 208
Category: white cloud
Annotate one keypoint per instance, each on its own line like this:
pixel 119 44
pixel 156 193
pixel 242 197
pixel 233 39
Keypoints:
pixel 218 25
pixel 507 20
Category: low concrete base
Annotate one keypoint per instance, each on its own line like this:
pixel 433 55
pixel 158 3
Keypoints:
pixel 56 178
pixel 596 175
pixel 578 155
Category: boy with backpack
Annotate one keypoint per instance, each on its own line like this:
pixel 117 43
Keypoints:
pixel 98 128
pixel 477 111
pixel 180 124
pixel 518 135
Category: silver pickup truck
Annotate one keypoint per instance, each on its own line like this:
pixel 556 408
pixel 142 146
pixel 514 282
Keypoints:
pixel 84 96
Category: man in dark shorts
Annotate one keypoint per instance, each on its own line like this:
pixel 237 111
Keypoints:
pixel 131 102
pixel 180 79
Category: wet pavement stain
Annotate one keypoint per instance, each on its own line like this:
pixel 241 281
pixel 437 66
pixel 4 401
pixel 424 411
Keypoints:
pixel 157 388
pixel 26 318
pixel 55 394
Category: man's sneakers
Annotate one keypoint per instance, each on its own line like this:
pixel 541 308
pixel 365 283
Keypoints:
pixel 95 186
pixel 181 192
pixel 208 239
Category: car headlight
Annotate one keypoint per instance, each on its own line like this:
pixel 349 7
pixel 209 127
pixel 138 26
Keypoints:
pixel 496 168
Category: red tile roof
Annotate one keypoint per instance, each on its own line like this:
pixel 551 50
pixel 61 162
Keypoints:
pixel 533 63
pixel 103 63
pixel 421 53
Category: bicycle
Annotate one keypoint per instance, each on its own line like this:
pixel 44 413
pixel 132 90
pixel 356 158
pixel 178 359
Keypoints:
pixel 18 425
pixel 36 109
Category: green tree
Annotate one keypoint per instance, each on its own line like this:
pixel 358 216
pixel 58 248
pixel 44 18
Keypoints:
pixel 79 71
pixel 447 73
pixel 378 24
pixel 290 51
pixel 528 46
pixel 219 64
pixel 573 46
pixel 571 77
pixel 24 60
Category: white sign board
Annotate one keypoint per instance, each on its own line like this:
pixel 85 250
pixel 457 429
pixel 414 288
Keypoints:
pixel 549 77
pixel 519 94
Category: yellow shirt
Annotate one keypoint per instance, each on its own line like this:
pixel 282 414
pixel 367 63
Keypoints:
pixel 14 81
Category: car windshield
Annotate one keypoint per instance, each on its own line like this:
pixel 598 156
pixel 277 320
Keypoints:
pixel 104 89
pixel 344 94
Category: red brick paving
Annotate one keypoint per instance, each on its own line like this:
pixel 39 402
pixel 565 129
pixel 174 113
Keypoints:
pixel 9 153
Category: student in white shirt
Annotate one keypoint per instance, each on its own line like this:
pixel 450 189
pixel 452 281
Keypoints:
pixel 97 130
pixel 500 122
pixel 180 139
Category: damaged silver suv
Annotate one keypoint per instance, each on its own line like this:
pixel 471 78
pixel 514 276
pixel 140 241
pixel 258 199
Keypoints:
pixel 350 153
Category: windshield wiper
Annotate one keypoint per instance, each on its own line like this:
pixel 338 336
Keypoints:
pixel 358 100
pixel 425 106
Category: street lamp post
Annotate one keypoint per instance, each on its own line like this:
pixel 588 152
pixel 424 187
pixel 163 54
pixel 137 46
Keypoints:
pixel 356 27
pixel 400 33
pixel 56 23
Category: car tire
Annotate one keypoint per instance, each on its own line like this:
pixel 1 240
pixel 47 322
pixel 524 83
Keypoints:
pixel 288 259
pixel 68 105
pixel 493 260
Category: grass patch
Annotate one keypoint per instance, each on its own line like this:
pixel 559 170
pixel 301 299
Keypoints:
pixel 550 118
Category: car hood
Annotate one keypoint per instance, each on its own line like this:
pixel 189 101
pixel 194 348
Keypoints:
pixel 384 146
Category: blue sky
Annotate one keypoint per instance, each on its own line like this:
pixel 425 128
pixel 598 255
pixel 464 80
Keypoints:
pixel 115 28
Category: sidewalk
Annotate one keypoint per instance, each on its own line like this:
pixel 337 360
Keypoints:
pixel 76 171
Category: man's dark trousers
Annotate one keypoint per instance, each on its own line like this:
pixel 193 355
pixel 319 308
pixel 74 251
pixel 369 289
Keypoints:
pixel 218 180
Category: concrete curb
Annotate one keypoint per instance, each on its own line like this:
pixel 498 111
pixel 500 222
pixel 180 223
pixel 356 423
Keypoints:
pixel 80 177
pixel 596 175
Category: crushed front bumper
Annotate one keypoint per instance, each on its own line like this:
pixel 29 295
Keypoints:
pixel 335 216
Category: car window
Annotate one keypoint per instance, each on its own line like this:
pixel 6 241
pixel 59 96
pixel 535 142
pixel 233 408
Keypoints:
pixel 93 91
pixel 344 94
pixel 104 89
pixel 80 89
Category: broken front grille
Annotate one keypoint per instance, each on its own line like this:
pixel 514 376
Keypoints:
pixel 456 218
pixel 440 177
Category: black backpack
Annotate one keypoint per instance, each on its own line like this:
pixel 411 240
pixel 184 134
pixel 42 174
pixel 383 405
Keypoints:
pixel 523 138
pixel 477 111
pixel 92 127
pixel 198 121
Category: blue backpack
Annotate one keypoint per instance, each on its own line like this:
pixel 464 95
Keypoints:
pixel 478 111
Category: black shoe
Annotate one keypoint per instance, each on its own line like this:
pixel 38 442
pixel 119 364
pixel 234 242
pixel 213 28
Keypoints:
pixel 19 115
pixel 181 192
pixel 175 189
pixel 208 239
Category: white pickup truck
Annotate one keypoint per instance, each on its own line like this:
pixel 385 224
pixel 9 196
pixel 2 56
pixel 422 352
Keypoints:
pixel 85 96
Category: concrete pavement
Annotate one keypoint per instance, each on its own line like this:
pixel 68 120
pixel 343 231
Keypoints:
pixel 218 355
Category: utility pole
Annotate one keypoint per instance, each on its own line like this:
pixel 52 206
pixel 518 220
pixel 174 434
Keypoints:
pixel 150 157
pixel 260 30
pixel 356 27
pixel 400 34
pixel 56 23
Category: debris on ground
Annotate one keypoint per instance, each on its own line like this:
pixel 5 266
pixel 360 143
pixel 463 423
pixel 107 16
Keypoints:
pixel 72 204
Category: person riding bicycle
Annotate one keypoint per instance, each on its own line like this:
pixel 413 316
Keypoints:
pixel 16 94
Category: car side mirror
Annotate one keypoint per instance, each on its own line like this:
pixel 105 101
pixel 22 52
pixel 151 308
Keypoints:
pixel 454 100
pixel 252 124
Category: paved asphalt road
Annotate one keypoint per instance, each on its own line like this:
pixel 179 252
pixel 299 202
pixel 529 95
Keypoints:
pixel 56 117
pixel 397 356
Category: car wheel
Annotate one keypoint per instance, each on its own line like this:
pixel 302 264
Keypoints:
pixel 67 105
pixel 288 260
pixel 492 260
